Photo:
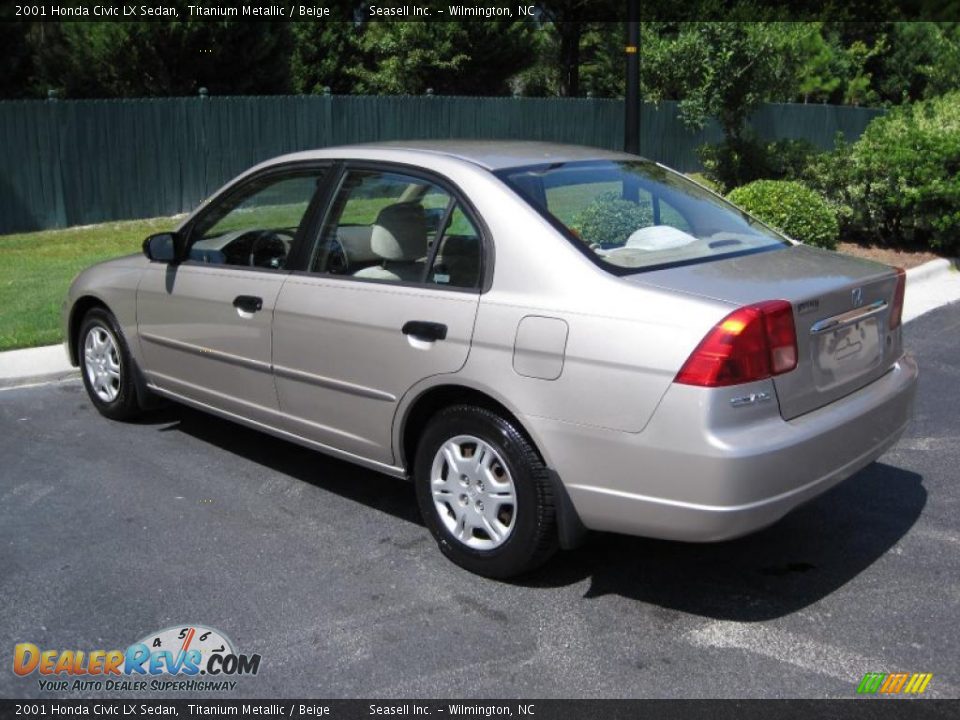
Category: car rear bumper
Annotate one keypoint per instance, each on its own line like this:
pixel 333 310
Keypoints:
pixel 703 470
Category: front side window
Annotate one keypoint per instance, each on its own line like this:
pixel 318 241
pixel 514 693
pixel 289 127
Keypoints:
pixel 393 227
pixel 634 215
pixel 256 226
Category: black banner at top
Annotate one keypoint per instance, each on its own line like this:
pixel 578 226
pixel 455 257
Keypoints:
pixel 576 11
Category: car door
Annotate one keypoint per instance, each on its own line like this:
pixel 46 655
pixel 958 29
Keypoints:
pixel 205 323
pixel 387 297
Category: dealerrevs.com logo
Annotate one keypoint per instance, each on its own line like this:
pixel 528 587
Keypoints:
pixel 187 658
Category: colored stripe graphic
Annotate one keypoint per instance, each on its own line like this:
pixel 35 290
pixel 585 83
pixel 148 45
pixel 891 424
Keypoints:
pixel 918 683
pixel 871 683
pixel 894 683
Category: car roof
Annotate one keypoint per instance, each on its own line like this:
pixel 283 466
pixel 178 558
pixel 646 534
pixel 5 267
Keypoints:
pixel 490 154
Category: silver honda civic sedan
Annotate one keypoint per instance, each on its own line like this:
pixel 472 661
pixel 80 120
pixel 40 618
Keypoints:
pixel 546 339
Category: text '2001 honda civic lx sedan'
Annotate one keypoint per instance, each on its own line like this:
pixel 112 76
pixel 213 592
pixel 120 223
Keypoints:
pixel 546 339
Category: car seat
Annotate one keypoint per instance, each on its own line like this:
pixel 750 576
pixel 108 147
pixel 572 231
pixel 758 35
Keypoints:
pixel 399 238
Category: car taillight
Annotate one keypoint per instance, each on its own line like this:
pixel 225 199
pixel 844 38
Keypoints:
pixel 752 343
pixel 896 310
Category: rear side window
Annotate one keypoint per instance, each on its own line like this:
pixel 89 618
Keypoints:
pixel 391 227
pixel 457 263
pixel 634 215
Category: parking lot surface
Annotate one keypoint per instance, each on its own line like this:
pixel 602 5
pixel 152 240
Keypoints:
pixel 110 531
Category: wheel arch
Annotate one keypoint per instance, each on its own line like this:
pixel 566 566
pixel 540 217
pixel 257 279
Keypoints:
pixel 79 310
pixel 434 399
pixel 81 307
pixel 427 403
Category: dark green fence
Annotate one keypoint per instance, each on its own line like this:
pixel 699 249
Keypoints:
pixel 85 161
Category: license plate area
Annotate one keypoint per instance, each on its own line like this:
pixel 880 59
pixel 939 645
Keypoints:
pixel 846 353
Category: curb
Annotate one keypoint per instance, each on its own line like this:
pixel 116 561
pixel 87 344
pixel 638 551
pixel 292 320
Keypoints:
pixel 61 370
pixel 33 366
pixel 932 269
pixel 41 379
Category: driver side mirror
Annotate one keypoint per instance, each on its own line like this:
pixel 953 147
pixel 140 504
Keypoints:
pixel 162 247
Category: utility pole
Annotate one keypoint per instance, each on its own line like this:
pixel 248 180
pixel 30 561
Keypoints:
pixel 631 121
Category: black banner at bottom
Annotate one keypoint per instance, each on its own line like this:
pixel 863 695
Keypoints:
pixel 855 709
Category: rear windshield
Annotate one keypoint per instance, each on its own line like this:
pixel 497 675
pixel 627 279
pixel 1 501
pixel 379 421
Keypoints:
pixel 637 215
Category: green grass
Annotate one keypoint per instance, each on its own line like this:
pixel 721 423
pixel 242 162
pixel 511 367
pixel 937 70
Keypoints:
pixel 36 269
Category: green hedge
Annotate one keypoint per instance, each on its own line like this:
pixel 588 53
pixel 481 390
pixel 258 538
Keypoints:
pixel 901 179
pixel 610 220
pixel 733 163
pixel 792 208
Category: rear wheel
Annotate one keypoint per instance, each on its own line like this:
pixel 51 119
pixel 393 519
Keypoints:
pixel 484 493
pixel 106 366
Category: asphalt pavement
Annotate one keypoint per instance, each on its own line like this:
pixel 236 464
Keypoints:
pixel 111 531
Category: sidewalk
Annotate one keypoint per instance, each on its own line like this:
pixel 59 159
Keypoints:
pixel 35 365
pixel 929 286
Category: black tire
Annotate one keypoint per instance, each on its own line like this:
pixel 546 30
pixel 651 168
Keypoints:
pixel 533 538
pixel 125 405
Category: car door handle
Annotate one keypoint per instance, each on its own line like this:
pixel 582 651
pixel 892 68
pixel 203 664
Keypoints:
pixel 429 331
pixel 248 303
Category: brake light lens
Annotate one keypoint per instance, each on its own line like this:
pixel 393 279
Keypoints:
pixel 896 310
pixel 753 343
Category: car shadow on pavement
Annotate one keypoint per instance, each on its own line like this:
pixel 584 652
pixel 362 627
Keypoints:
pixel 806 556
pixel 803 558
pixel 350 481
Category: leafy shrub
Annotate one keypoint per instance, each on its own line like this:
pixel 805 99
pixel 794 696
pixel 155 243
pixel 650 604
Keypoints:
pixel 902 177
pixel 788 158
pixel 734 162
pixel 829 174
pixel 740 161
pixel 610 220
pixel 792 208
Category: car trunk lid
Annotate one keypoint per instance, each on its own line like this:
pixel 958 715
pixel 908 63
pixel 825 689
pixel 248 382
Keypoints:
pixel 841 308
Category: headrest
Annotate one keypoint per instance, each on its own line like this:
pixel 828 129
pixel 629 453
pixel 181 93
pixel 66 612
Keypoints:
pixel 355 241
pixel 400 232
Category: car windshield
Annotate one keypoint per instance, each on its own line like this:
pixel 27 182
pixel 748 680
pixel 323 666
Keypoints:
pixel 635 215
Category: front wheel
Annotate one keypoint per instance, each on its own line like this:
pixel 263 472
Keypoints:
pixel 106 366
pixel 484 493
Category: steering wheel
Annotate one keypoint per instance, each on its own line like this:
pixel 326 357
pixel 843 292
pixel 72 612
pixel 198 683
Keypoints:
pixel 269 248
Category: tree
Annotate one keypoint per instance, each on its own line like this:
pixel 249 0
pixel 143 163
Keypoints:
pixel 820 74
pixel 859 87
pixel 602 59
pixel 143 59
pixel 16 58
pixel 569 20
pixel 474 58
pixel 323 54
pixel 918 60
pixel 721 70
pixel 542 77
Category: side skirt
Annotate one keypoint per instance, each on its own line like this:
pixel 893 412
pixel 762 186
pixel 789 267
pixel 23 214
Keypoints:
pixel 391 470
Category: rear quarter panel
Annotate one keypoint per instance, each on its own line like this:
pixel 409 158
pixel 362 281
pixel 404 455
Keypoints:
pixel 624 345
